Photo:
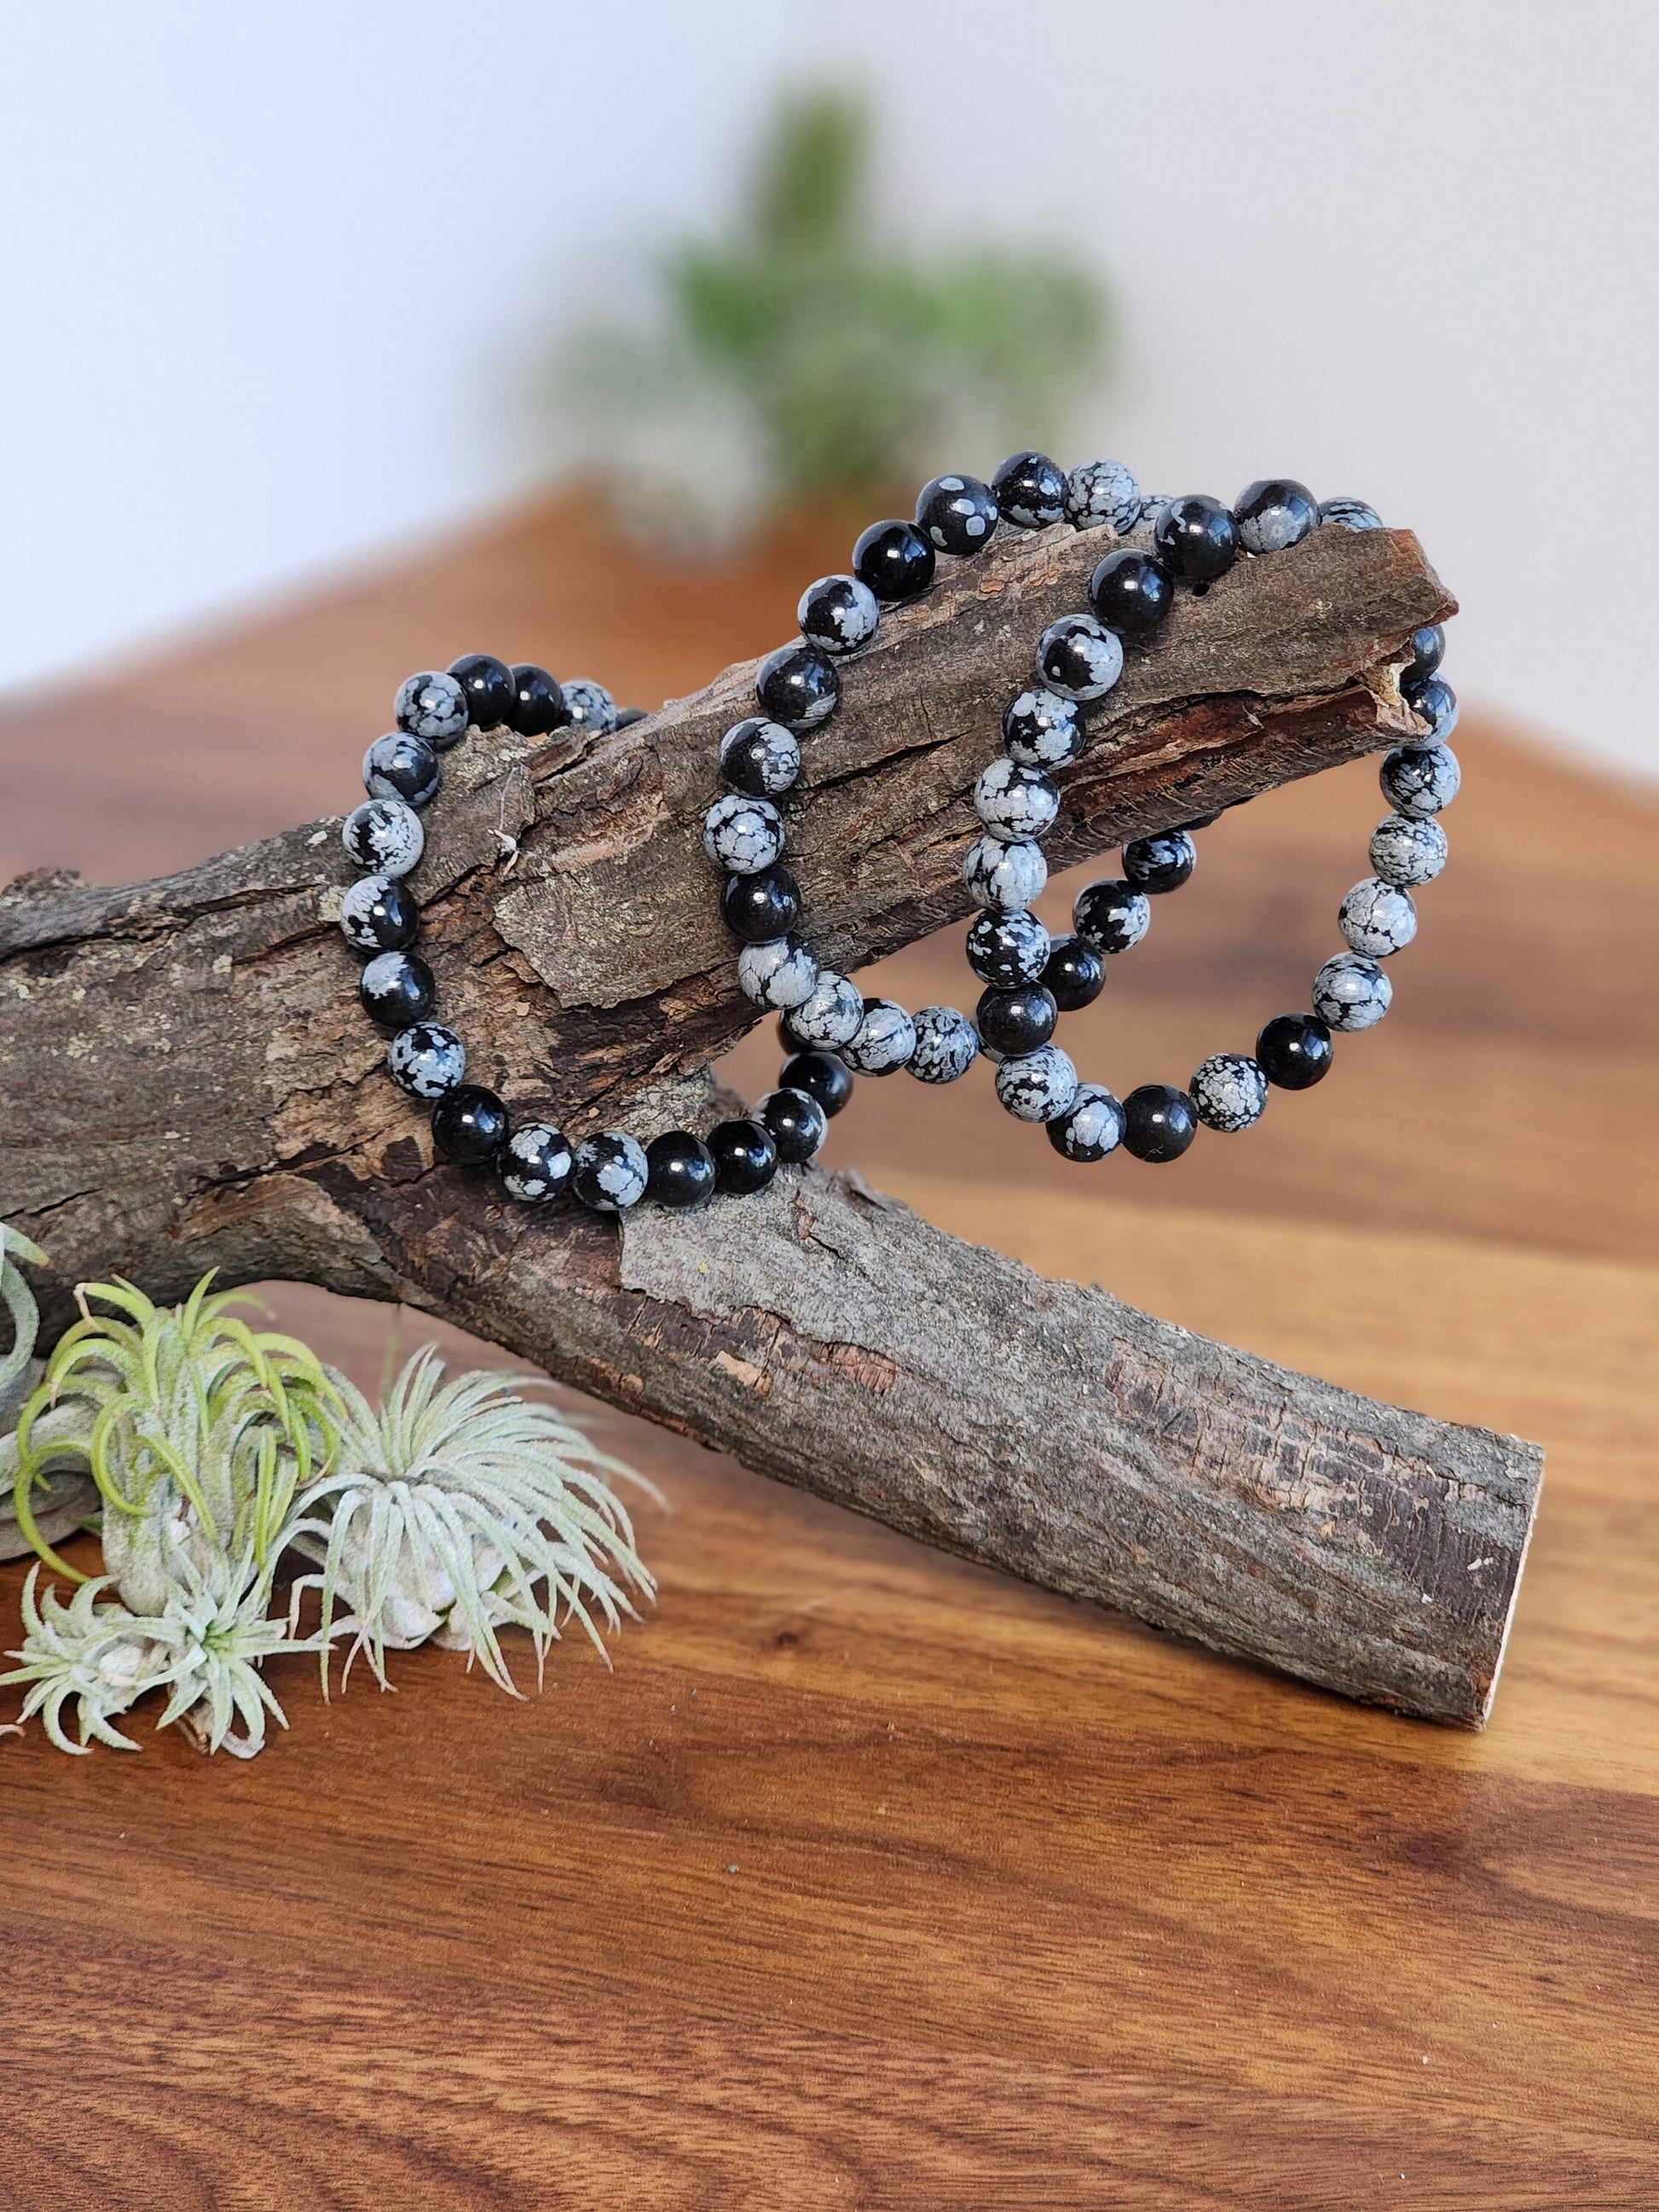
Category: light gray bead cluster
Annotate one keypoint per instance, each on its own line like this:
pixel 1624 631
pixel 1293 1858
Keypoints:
pixel 1377 917
pixel 778 974
pixel 1002 876
pixel 1015 802
pixel 1229 1091
pixel 385 836
pixel 1102 496
pixel 831 1015
pixel 947 1045
pixel 1408 851
pixel 741 834
pixel 1037 1086
pixel 1352 993
pixel 886 1038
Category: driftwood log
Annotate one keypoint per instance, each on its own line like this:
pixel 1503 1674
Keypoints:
pixel 187 1081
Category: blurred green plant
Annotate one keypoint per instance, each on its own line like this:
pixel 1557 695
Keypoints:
pixel 807 354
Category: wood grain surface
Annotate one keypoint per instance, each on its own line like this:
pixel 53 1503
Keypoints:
pixel 868 1878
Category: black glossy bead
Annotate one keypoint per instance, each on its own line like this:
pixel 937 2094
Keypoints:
pixel 1433 698
pixel 399 766
pixel 1075 975
pixel 1111 913
pixel 894 560
pixel 380 914
pixel 469 1126
pixel 1017 1021
pixel 745 1157
pixel 1005 949
pixel 1197 538
pixel 795 1122
pixel 1294 1051
pixel 956 515
pixel 1159 1122
pixel 1274 512
pixel 759 907
pixel 682 1169
pixel 537 702
pixel 1428 648
pixel 491 691
pixel 1131 593
pixel 821 1076
pixel 1030 491
pixel 1160 864
pixel 398 988
pixel 798 685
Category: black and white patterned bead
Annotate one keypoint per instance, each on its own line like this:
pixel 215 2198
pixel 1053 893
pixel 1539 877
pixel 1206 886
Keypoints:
pixel 1406 852
pixel 1274 515
pixel 1351 992
pixel 588 706
pixel 760 759
pixel 1015 802
pixel 886 1039
pixel 743 835
pixel 1419 780
pixel 1092 1126
pixel 1005 949
pixel 1229 1091
pixel 610 1172
pixel 1079 657
pixel 1037 1086
pixel 1040 729
pixel 838 613
pixel 385 836
pixel 1103 495
pixel 946 1047
pixel 377 914
pixel 535 1164
pixel 830 1017
pixel 1112 914
pixel 1349 515
pixel 433 706
pixel 402 766
pixel 426 1060
pixel 1377 917
pixel 1004 876
pixel 779 973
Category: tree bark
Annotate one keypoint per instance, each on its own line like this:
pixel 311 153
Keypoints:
pixel 188 1082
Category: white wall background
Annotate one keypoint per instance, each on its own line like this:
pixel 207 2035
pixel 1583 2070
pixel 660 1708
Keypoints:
pixel 272 274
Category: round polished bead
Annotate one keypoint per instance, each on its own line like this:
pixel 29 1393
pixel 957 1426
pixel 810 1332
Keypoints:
pixel 1004 876
pixel 396 988
pixel 886 1039
pixel 588 706
pixel 1016 1021
pixel 1008 949
pixel 385 836
pixel 741 834
pixel 1349 515
pixel 1377 917
pixel 1407 852
pixel 1091 1126
pixel 679 1171
pixel 1041 730
pixel 796 1123
pixel 1074 974
pixel 822 1076
pixel 780 974
pixel 1273 514
pixel 798 685
pixel 469 1126
pixel 1015 802
pixel 401 766
pixel 1112 914
pixel 610 1172
pixel 1197 538
pixel 1229 1091
pixel 1294 1051
pixel 1428 648
pixel 426 1060
pixel 1433 698
pixel 1029 491
pixel 537 703
pixel 433 706
pixel 745 1157
pixel 1160 864
pixel 1103 495
pixel 1037 1085
pixel 946 1045
pixel 1130 592
pixel 1352 993
pixel 838 613
pixel 488 684
pixel 1417 780
pixel 377 914
pixel 1159 1122
pixel 1079 657
pixel 760 908
pixel 894 560
pixel 830 1017
pixel 535 1163
pixel 956 515
pixel 760 757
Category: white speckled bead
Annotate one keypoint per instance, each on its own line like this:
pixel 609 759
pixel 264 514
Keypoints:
pixel 385 836
pixel 1229 1091
pixel 1080 658
pixel 760 759
pixel 743 835
pixel 1416 780
pixel 1350 993
pixel 779 973
pixel 1040 730
pixel 1377 917
pixel 610 1172
pixel 1015 802
pixel 426 1060
pixel 1091 1126
pixel 947 1045
pixel 839 613
pixel 1349 515
pixel 886 1039
pixel 535 1164
pixel 1004 876
pixel 1037 1086
pixel 830 1017
pixel 400 765
pixel 431 706
pixel 588 706
pixel 377 915
pixel 1407 852
pixel 1103 495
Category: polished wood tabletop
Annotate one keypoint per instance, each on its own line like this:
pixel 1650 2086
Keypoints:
pixel 868 1878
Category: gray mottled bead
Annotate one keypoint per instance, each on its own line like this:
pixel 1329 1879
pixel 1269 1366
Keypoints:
pixel 743 835
pixel 1040 730
pixel 1349 515
pixel 839 613
pixel 1079 657
pixel 1377 917
pixel 947 1045
pixel 1350 993
pixel 831 1015
pixel 1274 515
pixel 1015 802
pixel 1229 1091
pixel 384 836
pixel 610 1172
pixel 433 706
pixel 535 1164
pixel 426 1060
pixel 400 765
pixel 1103 495
pixel 1004 876
pixel 886 1039
pixel 779 973
pixel 1407 852
pixel 363 906
pixel 588 706
pixel 1037 1086
pixel 1092 1126
pixel 1419 779
pixel 770 754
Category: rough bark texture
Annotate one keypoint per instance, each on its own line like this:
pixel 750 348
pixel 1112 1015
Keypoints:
pixel 188 1081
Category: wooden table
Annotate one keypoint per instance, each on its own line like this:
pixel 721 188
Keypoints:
pixel 868 1879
